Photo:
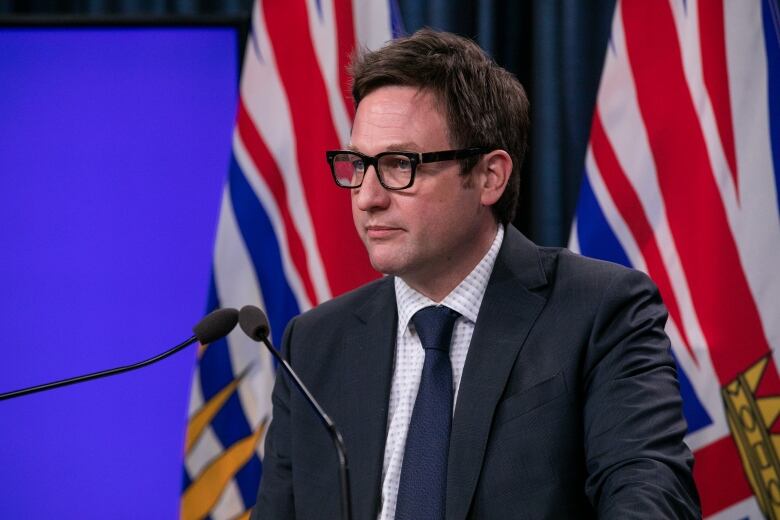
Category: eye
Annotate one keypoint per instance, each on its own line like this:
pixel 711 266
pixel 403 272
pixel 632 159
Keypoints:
pixel 358 165
pixel 400 162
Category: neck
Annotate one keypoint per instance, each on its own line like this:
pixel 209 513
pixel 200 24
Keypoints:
pixel 437 286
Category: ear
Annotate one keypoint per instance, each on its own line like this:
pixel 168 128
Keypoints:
pixel 497 167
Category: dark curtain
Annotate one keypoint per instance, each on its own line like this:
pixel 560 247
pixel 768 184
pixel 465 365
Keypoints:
pixel 555 47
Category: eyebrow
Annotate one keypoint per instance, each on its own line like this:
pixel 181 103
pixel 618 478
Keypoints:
pixel 397 147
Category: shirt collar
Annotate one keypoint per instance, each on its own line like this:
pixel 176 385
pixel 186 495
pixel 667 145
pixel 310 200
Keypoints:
pixel 465 299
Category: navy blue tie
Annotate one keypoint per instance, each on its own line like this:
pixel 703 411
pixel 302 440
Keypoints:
pixel 422 489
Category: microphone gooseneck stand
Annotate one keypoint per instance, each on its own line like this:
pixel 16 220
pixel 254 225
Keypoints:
pixel 96 375
pixel 255 324
pixel 212 327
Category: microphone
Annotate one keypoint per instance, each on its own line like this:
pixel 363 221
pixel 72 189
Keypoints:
pixel 212 327
pixel 255 324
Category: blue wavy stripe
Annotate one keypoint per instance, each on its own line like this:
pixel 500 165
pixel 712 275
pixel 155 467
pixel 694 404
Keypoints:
pixel 771 20
pixel 593 231
pixel 248 479
pixel 263 247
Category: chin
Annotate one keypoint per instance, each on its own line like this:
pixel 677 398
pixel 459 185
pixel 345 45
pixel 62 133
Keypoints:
pixel 384 257
pixel 385 265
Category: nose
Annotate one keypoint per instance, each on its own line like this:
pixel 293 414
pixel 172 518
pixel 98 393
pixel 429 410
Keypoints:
pixel 371 195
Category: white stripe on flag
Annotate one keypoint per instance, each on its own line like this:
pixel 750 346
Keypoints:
pixel 372 23
pixel 234 273
pixel 230 503
pixel 203 451
pixel 325 40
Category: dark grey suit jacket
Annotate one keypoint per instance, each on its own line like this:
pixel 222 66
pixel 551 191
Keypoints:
pixel 568 405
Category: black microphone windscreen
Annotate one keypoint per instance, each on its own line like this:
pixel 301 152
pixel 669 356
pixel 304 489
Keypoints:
pixel 253 322
pixel 216 325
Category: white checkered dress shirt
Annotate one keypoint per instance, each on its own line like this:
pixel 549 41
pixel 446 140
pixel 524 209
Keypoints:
pixel 466 299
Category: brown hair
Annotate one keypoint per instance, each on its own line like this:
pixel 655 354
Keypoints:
pixel 484 104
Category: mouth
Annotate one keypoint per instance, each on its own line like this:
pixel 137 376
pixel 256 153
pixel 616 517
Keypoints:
pixel 380 232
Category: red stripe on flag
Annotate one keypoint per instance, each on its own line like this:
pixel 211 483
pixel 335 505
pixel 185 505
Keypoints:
pixel 344 257
pixel 712 39
pixel 719 477
pixel 719 290
pixel 269 170
pixel 345 30
pixel 628 204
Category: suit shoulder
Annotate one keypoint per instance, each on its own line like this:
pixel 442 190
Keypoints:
pixel 347 302
pixel 574 262
pixel 319 329
pixel 564 266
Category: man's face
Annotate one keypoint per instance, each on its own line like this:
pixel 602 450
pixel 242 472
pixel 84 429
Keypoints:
pixel 436 227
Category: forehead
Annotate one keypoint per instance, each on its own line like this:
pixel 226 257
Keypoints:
pixel 395 115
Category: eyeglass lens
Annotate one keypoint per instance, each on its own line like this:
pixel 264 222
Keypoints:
pixel 395 171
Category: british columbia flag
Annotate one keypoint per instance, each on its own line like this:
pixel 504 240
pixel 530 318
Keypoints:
pixel 285 240
pixel 681 181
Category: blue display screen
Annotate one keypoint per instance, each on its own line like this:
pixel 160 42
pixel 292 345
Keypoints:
pixel 114 147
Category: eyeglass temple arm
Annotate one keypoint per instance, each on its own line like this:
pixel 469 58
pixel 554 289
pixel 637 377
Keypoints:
pixel 451 154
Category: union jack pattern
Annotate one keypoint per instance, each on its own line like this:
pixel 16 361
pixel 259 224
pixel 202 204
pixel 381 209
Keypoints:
pixel 285 239
pixel 681 181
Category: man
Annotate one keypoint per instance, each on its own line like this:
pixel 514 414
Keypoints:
pixel 485 377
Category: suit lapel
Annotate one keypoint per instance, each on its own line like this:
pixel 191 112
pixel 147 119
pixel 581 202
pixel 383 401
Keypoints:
pixel 366 378
pixel 506 315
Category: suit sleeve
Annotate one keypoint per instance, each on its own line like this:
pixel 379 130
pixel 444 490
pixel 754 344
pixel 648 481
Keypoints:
pixel 638 465
pixel 275 497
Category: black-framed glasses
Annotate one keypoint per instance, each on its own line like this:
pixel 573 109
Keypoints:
pixel 395 169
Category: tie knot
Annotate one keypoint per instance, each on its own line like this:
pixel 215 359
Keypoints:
pixel 434 326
